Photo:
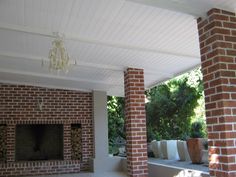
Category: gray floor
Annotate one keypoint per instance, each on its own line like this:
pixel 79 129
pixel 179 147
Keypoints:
pixel 175 163
pixel 111 174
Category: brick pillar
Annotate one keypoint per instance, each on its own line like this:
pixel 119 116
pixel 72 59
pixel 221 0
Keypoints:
pixel 218 56
pixel 11 143
pixel 135 123
pixel 67 141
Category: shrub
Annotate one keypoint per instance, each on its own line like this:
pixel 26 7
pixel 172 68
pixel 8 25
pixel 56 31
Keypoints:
pixel 197 130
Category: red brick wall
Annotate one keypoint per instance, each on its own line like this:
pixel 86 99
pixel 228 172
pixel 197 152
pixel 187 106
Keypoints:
pixel 18 105
pixel 136 145
pixel 217 34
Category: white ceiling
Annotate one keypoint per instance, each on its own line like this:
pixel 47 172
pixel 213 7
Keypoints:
pixel 104 36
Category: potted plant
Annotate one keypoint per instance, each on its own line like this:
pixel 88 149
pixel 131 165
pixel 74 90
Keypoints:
pixel 195 145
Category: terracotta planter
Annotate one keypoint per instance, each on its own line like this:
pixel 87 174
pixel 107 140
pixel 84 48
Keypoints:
pixel 195 148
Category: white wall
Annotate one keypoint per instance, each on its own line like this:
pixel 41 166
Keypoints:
pixel 159 170
pixel 102 162
pixel 100 124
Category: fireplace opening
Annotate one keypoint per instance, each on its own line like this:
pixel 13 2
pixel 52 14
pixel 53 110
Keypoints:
pixel 39 142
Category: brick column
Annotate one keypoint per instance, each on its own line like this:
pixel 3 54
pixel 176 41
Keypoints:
pixel 11 143
pixel 135 123
pixel 218 51
pixel 67 141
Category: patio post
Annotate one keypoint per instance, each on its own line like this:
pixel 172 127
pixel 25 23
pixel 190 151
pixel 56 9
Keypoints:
pixel 217 35
pixel 100 131
pixel 102 162
pixel 135 123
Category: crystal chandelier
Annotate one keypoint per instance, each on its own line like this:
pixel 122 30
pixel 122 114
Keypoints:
pixel 58 56
pixel 59 59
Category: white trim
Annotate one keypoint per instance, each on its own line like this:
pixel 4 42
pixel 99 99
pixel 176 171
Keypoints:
pixel 173 76
pixel 53 76
pixel 174 5
pixel 43 85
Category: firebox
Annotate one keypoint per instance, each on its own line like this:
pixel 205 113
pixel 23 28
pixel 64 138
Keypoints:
pixel 39 142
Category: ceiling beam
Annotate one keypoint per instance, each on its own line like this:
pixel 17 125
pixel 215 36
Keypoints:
pixel 51 76
pixel 109 92
pixel 174 75
pixel 186 7
pixel 74 37
pixel 86 64
pixel 196 8
pixel 42 85
pixel 78 63
pixel 27 29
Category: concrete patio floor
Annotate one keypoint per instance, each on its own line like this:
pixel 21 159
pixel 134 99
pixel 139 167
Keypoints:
pixel 157 168
pixel 84 174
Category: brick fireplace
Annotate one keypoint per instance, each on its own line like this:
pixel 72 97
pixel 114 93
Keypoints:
pixel 34 142
pixel 33 110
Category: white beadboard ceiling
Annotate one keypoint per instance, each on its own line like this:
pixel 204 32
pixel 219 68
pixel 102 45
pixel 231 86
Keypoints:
pixel 104 37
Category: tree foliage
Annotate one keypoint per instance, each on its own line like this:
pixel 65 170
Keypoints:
pixel 115 106
pixel 170 108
